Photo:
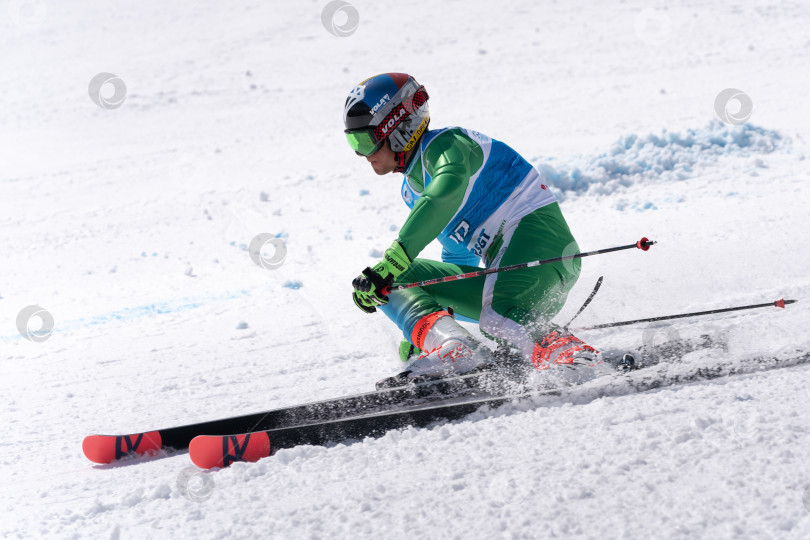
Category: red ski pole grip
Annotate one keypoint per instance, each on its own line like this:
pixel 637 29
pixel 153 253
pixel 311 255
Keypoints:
pixel 644 244
pixel 386 290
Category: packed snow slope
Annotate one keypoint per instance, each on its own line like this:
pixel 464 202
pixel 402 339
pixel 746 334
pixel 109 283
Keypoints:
pixel 130 226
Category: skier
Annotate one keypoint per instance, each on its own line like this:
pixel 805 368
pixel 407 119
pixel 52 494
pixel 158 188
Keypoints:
pixel 483 202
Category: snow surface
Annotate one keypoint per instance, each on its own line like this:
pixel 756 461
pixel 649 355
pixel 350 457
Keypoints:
pixel 131 227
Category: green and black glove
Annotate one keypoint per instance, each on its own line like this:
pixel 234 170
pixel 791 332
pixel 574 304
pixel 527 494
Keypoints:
pixel 369 286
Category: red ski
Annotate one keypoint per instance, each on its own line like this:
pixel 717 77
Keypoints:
pixel 209 451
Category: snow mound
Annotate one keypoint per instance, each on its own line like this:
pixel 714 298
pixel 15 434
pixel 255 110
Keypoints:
pixel 670 156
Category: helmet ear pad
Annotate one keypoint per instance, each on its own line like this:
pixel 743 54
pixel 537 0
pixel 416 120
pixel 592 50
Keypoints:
pixel 409 132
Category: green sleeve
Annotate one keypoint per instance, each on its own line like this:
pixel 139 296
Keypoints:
pixel 451 159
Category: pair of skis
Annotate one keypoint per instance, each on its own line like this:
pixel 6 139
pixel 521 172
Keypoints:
pixel 251 437
pixel 247 437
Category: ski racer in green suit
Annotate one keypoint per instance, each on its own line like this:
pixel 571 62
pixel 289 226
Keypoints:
pixel 484 203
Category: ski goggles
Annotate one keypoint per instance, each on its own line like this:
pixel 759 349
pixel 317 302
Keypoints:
pixel 364 141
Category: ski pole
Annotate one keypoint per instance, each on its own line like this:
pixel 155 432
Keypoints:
pixel 588 301
pixel 778 303
pixel 643 244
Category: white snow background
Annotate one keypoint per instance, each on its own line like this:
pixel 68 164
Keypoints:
pixel 130 226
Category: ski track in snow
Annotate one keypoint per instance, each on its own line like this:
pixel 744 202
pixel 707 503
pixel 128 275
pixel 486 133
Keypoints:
pixel 131 227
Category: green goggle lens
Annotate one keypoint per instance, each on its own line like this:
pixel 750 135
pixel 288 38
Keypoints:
pixel 362 142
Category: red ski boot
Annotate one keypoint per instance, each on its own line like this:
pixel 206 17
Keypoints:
pixel 580 361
